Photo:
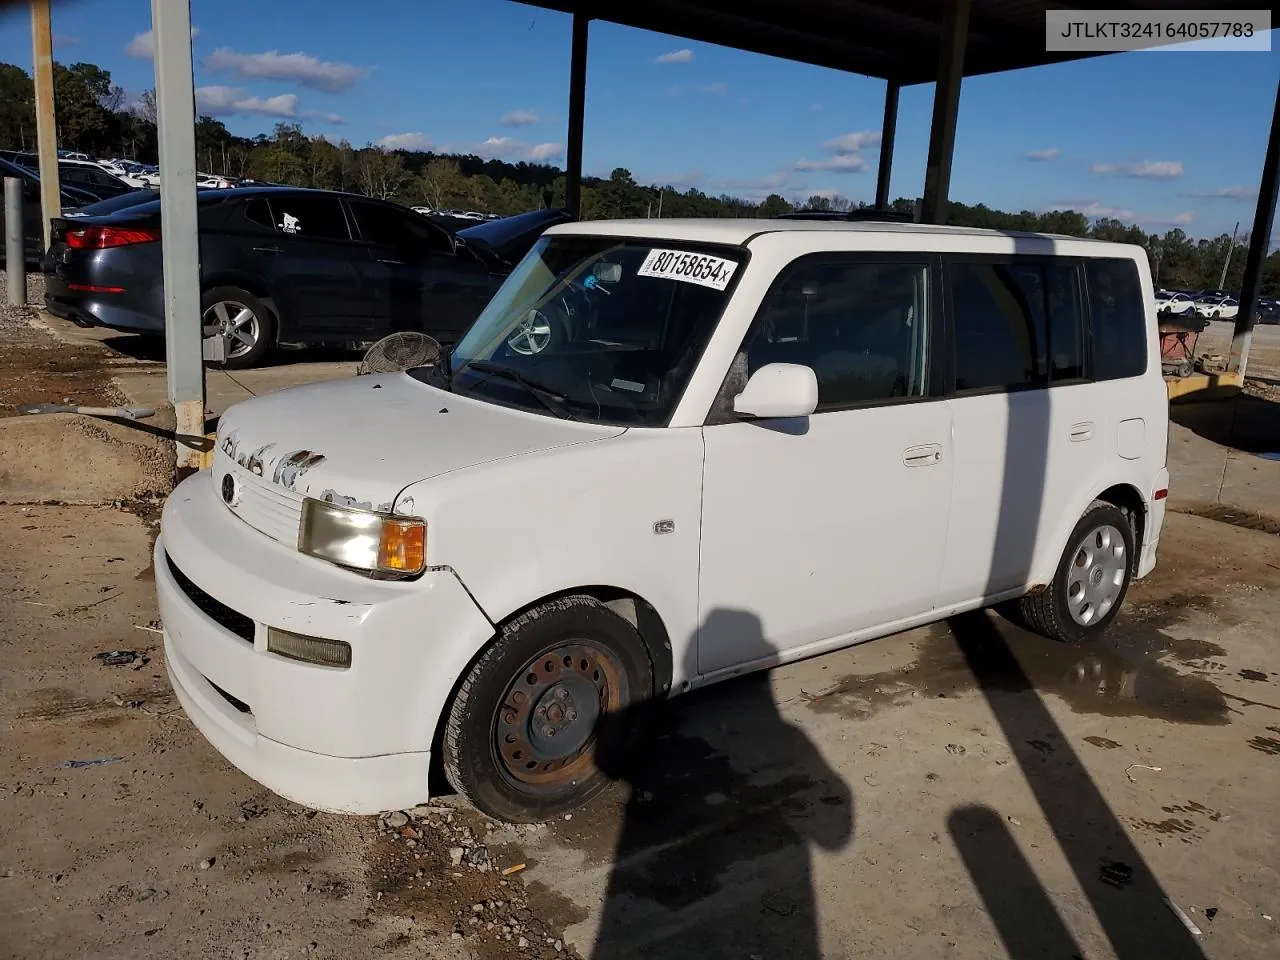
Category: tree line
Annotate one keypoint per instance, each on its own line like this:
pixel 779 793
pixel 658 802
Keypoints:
pixel 93 117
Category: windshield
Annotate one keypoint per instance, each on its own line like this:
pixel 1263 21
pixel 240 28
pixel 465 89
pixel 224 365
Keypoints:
pixel 597 328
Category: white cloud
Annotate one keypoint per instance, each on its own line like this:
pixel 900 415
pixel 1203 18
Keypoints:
pixel 404 141
pixel 520 118
pixel 1050 154
pixel 325 116
pixel 840 163
pixel 331 76
pixel 676 56
pixel 1096 210
pixel 717 88
pixel 1143 169
pixel 852 142
pixel 218 101
pixel 1224 193
pixel 544 152
pixel 143 45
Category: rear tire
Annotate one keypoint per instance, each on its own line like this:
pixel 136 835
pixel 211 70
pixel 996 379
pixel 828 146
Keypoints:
pixel 563 683
pixel 1091 581
pixel 246 318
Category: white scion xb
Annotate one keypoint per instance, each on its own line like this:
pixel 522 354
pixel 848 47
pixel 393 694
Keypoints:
pixel 666 453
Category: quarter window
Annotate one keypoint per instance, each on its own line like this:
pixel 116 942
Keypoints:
pixel 1117 319
pixel 861 326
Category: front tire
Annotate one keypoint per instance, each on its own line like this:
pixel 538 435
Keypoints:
pixel 562 683
pixel 245 320
pixel 1091 581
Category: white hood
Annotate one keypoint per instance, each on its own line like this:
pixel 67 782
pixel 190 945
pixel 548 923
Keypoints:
pixel 361 441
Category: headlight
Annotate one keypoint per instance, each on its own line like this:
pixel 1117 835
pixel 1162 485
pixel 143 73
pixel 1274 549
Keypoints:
pixel 362 539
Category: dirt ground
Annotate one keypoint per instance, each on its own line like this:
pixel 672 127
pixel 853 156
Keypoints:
pixel 933 794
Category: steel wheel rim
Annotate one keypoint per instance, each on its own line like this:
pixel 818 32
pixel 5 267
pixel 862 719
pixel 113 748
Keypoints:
pixel 1099 566
pixel 532 334
pixel 235 322
pixel 545 726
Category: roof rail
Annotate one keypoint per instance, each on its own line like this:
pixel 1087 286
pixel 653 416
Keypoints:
pixel 862 214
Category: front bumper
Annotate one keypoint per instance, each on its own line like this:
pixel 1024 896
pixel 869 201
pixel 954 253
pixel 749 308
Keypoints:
pixel 353 740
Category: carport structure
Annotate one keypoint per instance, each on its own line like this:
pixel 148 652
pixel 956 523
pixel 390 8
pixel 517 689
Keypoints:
pixel 902 42
pixel 899 41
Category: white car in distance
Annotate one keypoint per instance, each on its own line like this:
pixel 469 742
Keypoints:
pixel 746 441
pixel 1217 308
pixel 1174 304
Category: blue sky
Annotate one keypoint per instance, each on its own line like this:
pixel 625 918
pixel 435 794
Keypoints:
pixel 1160 139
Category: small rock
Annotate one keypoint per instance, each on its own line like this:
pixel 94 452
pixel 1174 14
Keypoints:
pixel 455 855
pixel 455 935
pixel 207 862
pixel 559 945
pixel 409 832
pixel 395 820
pixel 477 908
pixel 522 943
pixel 568 816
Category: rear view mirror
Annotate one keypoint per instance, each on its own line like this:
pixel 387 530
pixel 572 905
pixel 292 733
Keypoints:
pixel 779 390
pixel 608 272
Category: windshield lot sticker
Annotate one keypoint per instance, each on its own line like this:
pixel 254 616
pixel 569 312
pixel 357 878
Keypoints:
pixel 699 268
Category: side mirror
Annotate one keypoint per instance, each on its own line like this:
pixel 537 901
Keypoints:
pixel 779 390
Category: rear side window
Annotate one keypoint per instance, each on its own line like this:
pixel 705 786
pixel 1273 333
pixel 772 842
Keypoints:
pixel 315 216
pixel 1000 322
pixel 1117 317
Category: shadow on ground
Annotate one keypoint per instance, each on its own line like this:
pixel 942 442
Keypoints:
pixel 1244 422
pixel 150 349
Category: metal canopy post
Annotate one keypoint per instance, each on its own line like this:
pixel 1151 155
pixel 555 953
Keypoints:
pixel 175 122
pixel 888 129
pixel 1259 241
pixel 577 115
pixel 946 105
pixel 46 120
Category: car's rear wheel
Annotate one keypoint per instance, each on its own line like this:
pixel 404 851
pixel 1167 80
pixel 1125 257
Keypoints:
pixel 1091 580
pixel 559 688
pixel 243 320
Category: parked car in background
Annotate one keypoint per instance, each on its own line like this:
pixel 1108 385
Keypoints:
pixel 1175 304
pixel 213 181
pixel 1268 311
pixel 32 224
pixel 85 175
pixel 73 155
pixel 117 170
pixel 281 265
pixel 1217 308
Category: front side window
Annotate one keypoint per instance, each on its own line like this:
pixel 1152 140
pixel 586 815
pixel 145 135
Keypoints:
pixel 862 326
pixel 410 236
pixel 1118 319
pixel 597 328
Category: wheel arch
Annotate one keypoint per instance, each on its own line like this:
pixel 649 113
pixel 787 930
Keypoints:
pixel 249 284
pixel 1123 495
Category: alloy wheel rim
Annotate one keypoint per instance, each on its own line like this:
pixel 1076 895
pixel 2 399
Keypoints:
pixel 236 323
pixel 532 334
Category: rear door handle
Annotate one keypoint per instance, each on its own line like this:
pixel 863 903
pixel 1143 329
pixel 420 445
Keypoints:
pixel 1081 431
pixel 270 251
pixel 393 263
pixel 925 455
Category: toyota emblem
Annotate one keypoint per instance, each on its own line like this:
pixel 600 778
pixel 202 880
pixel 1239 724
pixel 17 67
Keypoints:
pixel 230 490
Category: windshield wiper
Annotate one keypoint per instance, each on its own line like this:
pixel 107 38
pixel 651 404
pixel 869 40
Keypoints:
pixel 553 400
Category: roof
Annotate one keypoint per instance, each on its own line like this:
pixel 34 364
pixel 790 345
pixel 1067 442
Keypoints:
pixel 890 39
pixel 737 231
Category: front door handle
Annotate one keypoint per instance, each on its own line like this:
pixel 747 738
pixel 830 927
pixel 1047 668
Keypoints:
pixel 925 455
pixel 1081 431
pixel 269 251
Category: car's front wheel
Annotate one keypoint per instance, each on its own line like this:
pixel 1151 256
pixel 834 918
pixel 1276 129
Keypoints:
pixel 1091 581
pixel 560 689
pixel 243 321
